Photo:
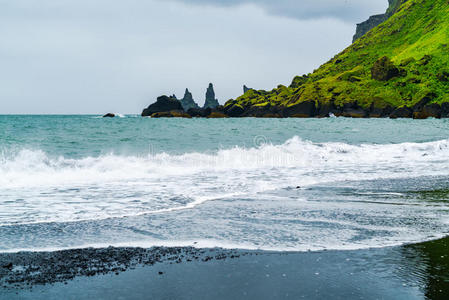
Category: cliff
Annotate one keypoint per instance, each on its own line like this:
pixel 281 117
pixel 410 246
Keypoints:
pixel 397 69
pixel 376 20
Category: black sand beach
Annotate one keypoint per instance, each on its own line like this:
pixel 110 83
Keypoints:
pixel 409 272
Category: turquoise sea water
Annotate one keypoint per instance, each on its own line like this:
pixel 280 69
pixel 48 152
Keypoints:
pixel 273 184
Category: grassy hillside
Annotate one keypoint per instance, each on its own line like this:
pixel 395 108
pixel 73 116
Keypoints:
pixel 404 62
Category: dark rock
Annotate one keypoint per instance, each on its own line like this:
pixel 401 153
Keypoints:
pixel 364 27
pixel 384 69
pixel 109 115
pixel 428 97
pixel 265 111
pixel 402 112
pixel 429 111
pixel 380 112
pixel 445 110
pixel 220 108
pixel 355 113
pixel 197 112
pixel 171 114
pixel 246 89
pixel 351 110
pixel 210 102
pixel 187 101
pixel 306 109
pixel 217 115
pixel 325 109
pixel 163 104
pixel 235 111
pixel 376 20
pixel 380 108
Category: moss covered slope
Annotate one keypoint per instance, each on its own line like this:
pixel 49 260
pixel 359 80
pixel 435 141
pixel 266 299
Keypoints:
pixel 402 63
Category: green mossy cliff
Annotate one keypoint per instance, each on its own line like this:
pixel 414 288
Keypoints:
pixel 398 69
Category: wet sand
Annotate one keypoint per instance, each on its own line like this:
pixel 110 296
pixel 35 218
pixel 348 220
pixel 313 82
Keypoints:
pixel 409 272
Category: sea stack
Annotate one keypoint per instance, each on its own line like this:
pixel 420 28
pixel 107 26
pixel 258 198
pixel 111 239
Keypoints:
pixel 210 102
pixel 188 102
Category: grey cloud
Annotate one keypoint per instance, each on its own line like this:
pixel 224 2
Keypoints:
pixel 84 56
pixel 347 10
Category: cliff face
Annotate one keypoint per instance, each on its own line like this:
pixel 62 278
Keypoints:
pixel 364 27
pixel 399 68
pixel 376 20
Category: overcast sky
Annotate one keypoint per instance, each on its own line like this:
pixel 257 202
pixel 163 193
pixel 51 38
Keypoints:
pixel 98 56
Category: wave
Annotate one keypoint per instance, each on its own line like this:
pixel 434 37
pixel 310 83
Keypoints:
pixel 36 187
pixel 28 168
pixel 255 205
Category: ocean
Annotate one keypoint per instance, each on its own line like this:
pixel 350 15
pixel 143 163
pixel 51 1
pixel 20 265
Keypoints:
pixel 266 184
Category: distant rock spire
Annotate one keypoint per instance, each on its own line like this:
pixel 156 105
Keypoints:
pixel 210 102
pixel 187 101
pixel 245 89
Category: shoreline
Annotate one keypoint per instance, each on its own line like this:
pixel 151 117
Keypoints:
pixel 49 274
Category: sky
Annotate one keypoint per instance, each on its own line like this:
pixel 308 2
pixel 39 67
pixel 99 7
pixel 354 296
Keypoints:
pixel 99 56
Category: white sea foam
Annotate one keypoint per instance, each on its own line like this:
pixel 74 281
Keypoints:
pixel 330 162
pixel 38 188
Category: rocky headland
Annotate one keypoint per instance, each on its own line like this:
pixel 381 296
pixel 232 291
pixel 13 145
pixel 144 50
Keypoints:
pixel 396 68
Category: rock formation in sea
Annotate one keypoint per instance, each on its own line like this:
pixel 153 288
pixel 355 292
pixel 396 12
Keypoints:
pixel 210 102
pixel 109 115
pixel 188 102
pixel 163 104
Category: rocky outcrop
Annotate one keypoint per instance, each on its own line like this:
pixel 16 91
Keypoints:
pixel 309 109
pixel 376 20
pixel 187 101
pixel 217 115
pixel 372 22
pixel 210 102
pixel 197 112
pixel 384 69
pixel 235 111
pixel 246 89
pixel 305 109
pixel 109 115
pixel 428 111
pixel 163 104
pixel 402 112
pixel 172 114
